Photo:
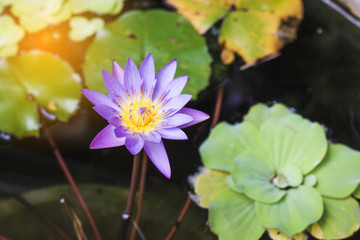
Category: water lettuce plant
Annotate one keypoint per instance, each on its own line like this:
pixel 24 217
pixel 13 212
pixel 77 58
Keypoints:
pixel 142 108
pixel 277 171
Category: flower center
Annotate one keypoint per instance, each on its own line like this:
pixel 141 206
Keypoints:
pixel 141 117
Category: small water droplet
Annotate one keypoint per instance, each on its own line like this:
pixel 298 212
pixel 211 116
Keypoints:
pixel 47 115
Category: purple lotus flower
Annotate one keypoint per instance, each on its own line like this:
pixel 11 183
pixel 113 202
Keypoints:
pixel 142 108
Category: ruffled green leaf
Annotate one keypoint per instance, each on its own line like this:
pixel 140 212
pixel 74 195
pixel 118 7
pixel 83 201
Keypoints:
pixel 294 212
pixel 225 143
pixel 310 180
pixel 260 112
pixel 10 35
pixel 36 78
pixel 207 183
pixel 293 140
pixel 340 220
pixel 253 174
pixel 135 34
pixel 81 27
pixel 338 175
pixel 232 216
pixel 357 192
pixel 276 234
pixel 291 174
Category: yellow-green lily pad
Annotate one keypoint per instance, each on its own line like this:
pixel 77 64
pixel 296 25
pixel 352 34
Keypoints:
pixel 36 79
pixel 253 29
pixel 135 34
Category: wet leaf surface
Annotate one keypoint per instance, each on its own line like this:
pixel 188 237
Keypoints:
pixel 31 80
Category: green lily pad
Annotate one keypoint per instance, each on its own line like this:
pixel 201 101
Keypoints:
pixel 21 113
pixel 260 112
pixel 253 174
pixel 252 28
pixel 106 204
pixel 31 80
pixel 96 6
pixel 232 216
pixel 293 140
pixel 225 143
pixel 81 27
pixel 340 220
pixel 293 213
pixel 135 34
pixel 11 34
pixel 338 174
pixel 207 183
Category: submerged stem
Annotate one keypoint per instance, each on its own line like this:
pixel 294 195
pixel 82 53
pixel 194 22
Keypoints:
pixel 34 210
pixel 140 196
pixel 71 180
pixel 131 198
pixel 180 219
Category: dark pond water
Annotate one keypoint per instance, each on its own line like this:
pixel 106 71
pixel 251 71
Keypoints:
pixel 318 75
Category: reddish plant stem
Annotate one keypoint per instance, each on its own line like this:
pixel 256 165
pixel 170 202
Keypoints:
pixel 71 180
pixel 215 120
pixel 34 210
pixel 131 198
pixel 140 196
pixel 180 219
pixel 74 218
pixel 218 106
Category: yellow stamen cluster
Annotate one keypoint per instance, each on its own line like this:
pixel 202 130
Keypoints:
pixel 140 115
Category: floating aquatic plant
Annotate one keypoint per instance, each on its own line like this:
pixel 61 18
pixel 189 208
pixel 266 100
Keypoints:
pixel 136 33
pixel 251 28
pixel 142 108
pixel 276 170
pixel 32 80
